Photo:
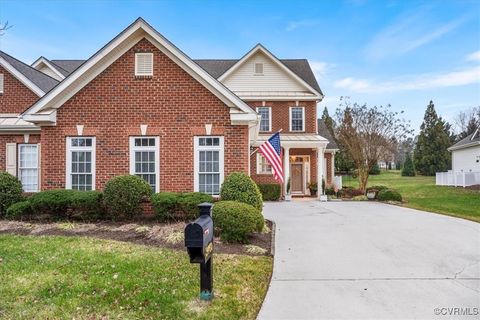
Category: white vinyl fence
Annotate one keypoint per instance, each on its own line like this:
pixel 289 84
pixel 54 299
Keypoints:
pixel 337 182
pixel 457 179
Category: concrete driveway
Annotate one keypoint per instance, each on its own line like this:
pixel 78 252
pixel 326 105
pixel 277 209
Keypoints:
pixel 365 260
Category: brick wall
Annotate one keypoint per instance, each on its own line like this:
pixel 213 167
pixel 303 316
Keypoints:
pixel 114 105
pixel 16 96
pixel 281 114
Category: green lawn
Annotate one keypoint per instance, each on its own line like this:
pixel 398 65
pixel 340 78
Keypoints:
pixel 421 193
pixel 85 278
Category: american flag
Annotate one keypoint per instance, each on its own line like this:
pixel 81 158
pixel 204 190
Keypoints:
pixel 271 151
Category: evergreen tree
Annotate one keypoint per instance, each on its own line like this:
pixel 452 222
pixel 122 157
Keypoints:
pixel 431 154
pixel 329 123
pixel 408 169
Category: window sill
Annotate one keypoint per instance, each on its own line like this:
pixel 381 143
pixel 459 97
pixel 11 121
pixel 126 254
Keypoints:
pixel 144 77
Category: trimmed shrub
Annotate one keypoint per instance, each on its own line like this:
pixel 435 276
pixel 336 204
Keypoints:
pixel 52 202
pixel 87 204
pixel 240 187
pixel 123 195
pixel 235 220
pixel 408 169
pixel 375 170
pixel 10 191
pixel 330 192
pixel 19 210
pixel 349 192
pixel 165 205
pixel 270 191
pixel 389 195
pixel 378 188
pixel 360 198
pixel 188 203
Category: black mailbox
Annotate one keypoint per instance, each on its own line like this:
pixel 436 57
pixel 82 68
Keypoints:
pixel 199 243
pixel 199 239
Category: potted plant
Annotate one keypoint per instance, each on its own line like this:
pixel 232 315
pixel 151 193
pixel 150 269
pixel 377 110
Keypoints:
pixel 288 195
pixel 372 194
pixel 313 188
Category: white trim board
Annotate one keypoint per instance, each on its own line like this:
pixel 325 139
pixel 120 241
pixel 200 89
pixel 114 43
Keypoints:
pixel 47 63
pixel 29 84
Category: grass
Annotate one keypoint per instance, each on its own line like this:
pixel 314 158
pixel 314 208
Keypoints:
pixel 420 192
pixel 84 278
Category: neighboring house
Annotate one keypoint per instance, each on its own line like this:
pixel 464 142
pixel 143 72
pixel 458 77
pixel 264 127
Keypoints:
pixel 465 163
pixel 141 106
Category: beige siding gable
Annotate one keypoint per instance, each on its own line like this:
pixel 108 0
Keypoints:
pixel 273 79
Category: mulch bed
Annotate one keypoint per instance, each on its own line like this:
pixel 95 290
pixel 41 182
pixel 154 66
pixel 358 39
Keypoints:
pixel 166 235
pixel 474 187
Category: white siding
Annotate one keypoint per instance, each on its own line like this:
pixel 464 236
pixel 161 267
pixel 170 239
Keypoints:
pixel 466 159
pixel 45 69
pixel 273 79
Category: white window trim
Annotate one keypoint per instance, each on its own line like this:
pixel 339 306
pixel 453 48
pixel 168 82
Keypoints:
pixel 259 165
pixel 150 54
pixel 221 159
pixel 269 118
pixel 2 81
pixel 38 163
pixel 303 119
pixel 156 149
pixel 93 149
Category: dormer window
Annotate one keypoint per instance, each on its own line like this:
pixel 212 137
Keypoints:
pixel 1 83
pixel 144 64
pixel 258 69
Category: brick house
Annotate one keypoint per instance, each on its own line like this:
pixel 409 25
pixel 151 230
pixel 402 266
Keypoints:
pixel 141 106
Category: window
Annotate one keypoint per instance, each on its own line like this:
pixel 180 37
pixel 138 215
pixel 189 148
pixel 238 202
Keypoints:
pixel 144 64
pixel 28 166
pixel 258 68
pixel 81 163
pixel 266 121
pixel 263 167
pixel 208 164
pixel 297 119
pixel 1 83
pixel 144 159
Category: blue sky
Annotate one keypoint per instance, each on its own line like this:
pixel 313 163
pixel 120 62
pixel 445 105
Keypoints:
pixel 402 53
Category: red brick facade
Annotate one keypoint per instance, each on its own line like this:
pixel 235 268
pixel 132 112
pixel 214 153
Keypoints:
pixel 16 97
pixel 114 105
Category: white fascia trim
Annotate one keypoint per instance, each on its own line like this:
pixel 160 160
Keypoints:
pixel 468 145
pixel 129 35
pixel 262 49
pixel 44 60
pixel 279 98
pixel 244 119
pixel 41 118
pixel 29 84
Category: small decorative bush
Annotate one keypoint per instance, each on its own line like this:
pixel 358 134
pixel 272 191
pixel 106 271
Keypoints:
pixel 313 187
pixel 360 198
pixel 10 191
pixel 19 210
pixel 349 192
pixel 389 195
pixel 240 187
pixel 375 169
pixel 408 169
pixel 330 191
pixel 165 205
pixel 188 203
pixel 123 195
pixel 87 204
pixel 235 220
pixel 52 202
pixel 270 191
pixel 376 188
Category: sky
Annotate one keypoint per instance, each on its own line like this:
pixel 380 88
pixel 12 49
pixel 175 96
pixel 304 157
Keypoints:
pixel 402 53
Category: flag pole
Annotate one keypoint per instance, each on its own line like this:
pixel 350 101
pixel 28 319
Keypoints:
pixel 256 150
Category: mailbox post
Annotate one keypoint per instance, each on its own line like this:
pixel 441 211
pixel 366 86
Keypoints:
pixel 199 243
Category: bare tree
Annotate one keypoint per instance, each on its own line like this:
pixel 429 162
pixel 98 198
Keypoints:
pixel 4 27
pixel 368 133
pixel 467 121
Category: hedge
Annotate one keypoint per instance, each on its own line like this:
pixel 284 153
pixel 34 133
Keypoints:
pixel 236 220
pixel 87 205
pixel 52 202
pixel 240 187
pixel 19 210
pixel 270 191
pixel 124 194
pixel 170 205
pixel 10 191
pixel 389 195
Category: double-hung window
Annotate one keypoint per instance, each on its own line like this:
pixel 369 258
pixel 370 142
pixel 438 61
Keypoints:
pixel 263 167
pixel 28 166
pixel 266 120
pixel 208 164
pixel 297 119
pixel 80 163
pixel 145 160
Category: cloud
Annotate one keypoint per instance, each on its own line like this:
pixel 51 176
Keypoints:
pixel 320 68
pixel 474 56
pixel 418 82
pixel 409 33
pixel 292 25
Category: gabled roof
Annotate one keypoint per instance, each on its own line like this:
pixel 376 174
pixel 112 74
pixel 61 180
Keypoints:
pixel 35 80
pixel 323 131
pixel 288 69
pixel 217 67
pixel 240 112
pixel 67 66
pixel 469 141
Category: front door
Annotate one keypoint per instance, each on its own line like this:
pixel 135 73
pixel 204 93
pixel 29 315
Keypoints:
pixel 297 177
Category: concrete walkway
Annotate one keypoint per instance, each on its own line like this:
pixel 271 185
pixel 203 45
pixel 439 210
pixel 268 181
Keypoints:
pixel 364 260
